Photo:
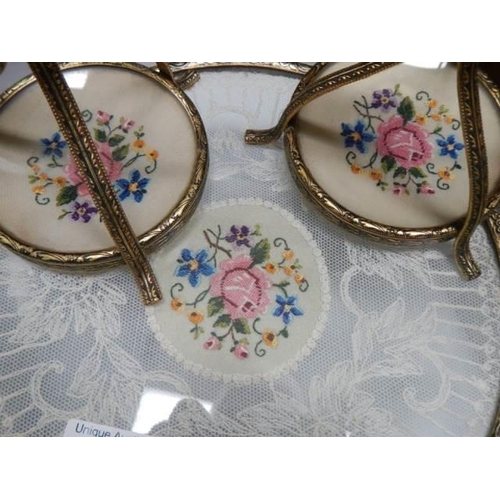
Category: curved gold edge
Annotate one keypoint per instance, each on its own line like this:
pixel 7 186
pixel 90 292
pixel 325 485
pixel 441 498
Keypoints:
pixel 477 166
pixel 367 228
pixel 151 240
pixel 355 224
pixel 293 68
pixel 328 83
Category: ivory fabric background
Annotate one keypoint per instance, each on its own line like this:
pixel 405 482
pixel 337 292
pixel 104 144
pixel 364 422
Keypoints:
pixel 408 347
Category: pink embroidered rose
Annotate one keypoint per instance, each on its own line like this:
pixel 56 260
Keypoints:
pixel 426 189
pixel 102 117
pixel 244 289
pixel 126 125
pixel 407 143
pixel 212 344
pixel 112 167
pixel 241 351
pixel 397 190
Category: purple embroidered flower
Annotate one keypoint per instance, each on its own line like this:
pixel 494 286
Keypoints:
pixel 54 145
pixel 449 147
pixel 356 136
pixel 82 211
pixel 239 236
pixel 135 186
pixel 287 308
pixel 194 266
pixel 384 99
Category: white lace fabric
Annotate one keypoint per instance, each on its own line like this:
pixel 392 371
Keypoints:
pixel 408 347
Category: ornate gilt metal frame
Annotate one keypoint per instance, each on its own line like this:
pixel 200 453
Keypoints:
pixel 155 237
pixel 371 229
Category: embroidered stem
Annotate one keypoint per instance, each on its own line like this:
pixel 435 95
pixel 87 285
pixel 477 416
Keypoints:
pixel 179 286
pixel 132 160
pixel 254 327
pixel 215 245
pixel 260 352
pixel 282 288
pixel 42 201
pixel 151 168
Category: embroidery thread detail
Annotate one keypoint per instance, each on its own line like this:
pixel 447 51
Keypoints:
pixel 54 173
pixel 246 283
pixel 395 137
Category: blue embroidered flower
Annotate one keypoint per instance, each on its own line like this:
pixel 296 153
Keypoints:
pixel 194 266
pixel 384 99
pixel 449 147
pixel 239 236
pixel 356 136
pixel 287 308
pixel 54 146
pixel 82 211
pixel 135 186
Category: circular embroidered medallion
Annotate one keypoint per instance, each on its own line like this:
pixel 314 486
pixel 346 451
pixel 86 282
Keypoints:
pixel 248 294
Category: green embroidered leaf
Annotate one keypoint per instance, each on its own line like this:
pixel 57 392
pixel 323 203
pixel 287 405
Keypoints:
pixel 66 195
pixel 120 153
pixel 283 283
pixel 457 166
pixel 437 130
pixel 284 333
pixel 244 341
pixel 407 109
pixel 396 89
pixel 399 172
pixel 100 135
pixel 388 163
pixel 417 173
pixel 215 304
pixel 115 140
pixel 32 179
pixel 241 326
pixel 260 252
pixel 222 321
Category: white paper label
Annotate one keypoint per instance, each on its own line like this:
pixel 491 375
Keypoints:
pixel 80 428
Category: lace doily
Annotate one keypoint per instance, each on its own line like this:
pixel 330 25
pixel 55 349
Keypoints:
pixel 248 292
pixel 408 347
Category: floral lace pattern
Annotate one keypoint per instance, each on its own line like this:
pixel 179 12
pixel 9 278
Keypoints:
pixel 398 141
pixel 127 158
pixel 408 347
pixel 248 273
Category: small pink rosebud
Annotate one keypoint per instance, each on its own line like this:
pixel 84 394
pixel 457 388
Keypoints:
pixel 212 344
pixel 241 351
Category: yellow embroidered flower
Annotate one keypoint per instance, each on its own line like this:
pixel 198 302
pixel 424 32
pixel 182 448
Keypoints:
pixel 356 170
pixel 152 155
pixel 446 174
pixel 35 168
pixel 421 119
pixel 376 175
pixel 288 254
pixel 177 305
pixel 43 176
pixel 270 338
pixel 38 189
pixel 431 103
pixel 60 182
pixel 288 270
pixel 436 117
pixel 195 317
pixel 299 278
pixel 271 267
pixel 448 119
pixel 138 145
